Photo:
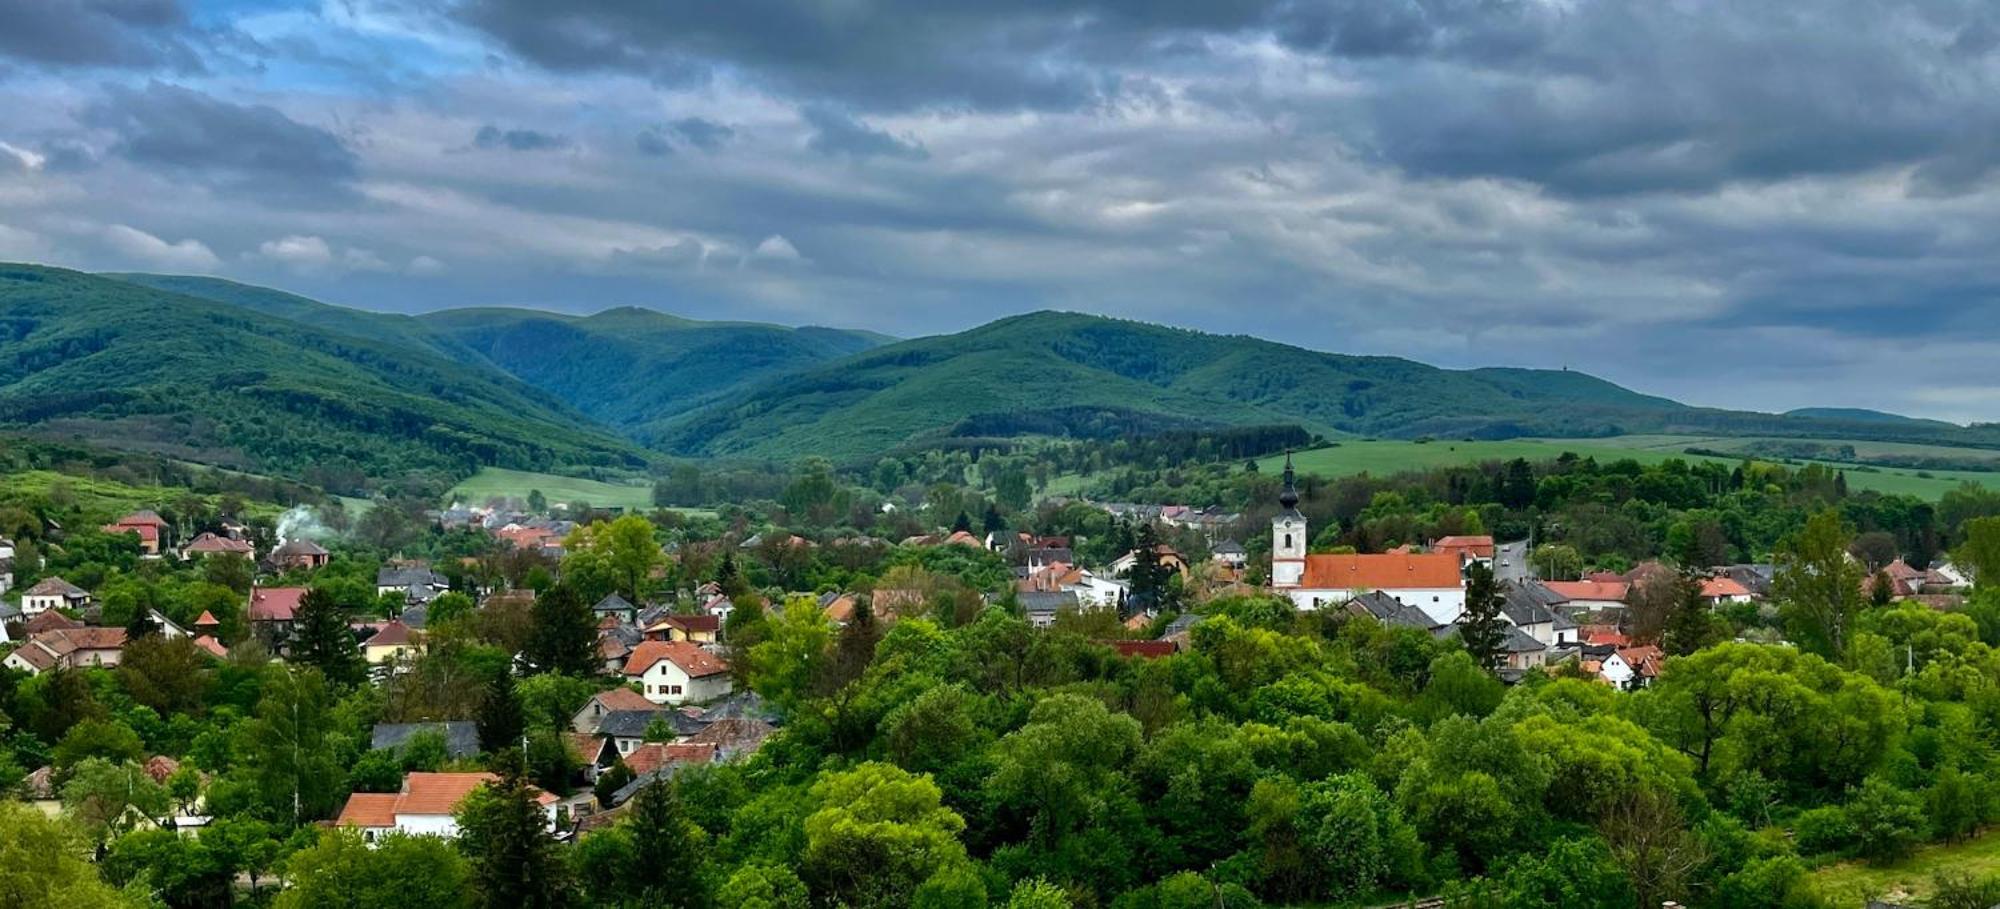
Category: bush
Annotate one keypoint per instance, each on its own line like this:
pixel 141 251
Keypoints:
pixel 1888 822
pixel 1824 831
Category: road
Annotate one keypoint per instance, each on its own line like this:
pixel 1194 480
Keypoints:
pixel 1510 561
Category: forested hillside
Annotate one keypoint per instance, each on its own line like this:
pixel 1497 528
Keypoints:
pixel 133 367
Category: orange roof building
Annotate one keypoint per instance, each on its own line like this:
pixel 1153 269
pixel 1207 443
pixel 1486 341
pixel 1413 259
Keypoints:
pixel 424 806
pixel 677 672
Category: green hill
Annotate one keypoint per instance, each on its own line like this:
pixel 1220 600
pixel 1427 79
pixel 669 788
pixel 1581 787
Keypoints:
pixel 129 366
pixel 629 368
pixel 1069 374
pixel 633 368
pixel 1861 415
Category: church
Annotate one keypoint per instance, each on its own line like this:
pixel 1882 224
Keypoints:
pixel 1432 582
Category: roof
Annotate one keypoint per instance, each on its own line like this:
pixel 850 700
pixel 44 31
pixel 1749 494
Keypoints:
pixel 206 619
pixel 55 587
pixel 1046 601
pixel 621 698
pixel 275 604
pixel 142 518
pixel 1181 624
pixel 212 646
pixel 733 735
pixel 461 737
pixel 209 542
pixel 694 623
pixel 393 634
pixel 1716 588
pixel 1644 660
pixel 407 575
pixel 91 638
pixel 612 602
pixel 1614 591
pixel 1529 602
pixel 369 809
pixel 300 547
pixel 691 659
pixel 654 755
pixel 632 724
pixel 1391 571
pixel 147 532
pixel 1228 547
pixel 1390 611
pixel 50 621
pixel 1480 546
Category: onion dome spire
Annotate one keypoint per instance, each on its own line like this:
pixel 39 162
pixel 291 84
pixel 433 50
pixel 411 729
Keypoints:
pixel 1289 496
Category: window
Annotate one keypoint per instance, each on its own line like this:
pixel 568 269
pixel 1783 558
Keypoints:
pixel 1288 541
pixel 673 689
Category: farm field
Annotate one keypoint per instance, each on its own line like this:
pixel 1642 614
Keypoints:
pixel 1854 883
pixel 1392 456
pixel 491 482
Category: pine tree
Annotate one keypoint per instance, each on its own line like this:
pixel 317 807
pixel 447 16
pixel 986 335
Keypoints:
pixel 1482 629
pixel 516 863
pixel 729 579
pixel 321 638
pixel 563 634
pixel 1147 578
pixel 500 718
pixel 1689 626
pixel 963 524
pixel 664 841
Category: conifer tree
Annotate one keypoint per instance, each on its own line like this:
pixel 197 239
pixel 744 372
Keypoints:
pixel 1482 629
pixel 500 719
pixel 562 637
pixel 322 639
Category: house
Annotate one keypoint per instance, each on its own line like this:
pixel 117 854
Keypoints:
pixel 304 554
pixel 147 525
pixel 67 648
pixel 732 737
pixel 1230 553
pixel 53 593
pixel 1588 596
pixel 615 606
pixel 1468 549
pixel 1169 558
pixel 1535 609
pixel 415 581
pixel 587 717
pixel 1629 668
pixel 423 807
pixel 1042 607
pixel 1723 589
pixel 461 737
pixel 393 641
pixel 1429 581
pixel 208 544
pixel 1387 609
pixel 620 732
pixel 273 610
pixel 698 629
pixel 677 672
pixel 1150 650
pixel 838 607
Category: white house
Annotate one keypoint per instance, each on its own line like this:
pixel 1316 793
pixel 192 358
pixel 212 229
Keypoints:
pixel 53 593
pixel 677 672
pixel 423 807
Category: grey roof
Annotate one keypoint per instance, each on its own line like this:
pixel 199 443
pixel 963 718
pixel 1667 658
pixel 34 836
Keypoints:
pixel 417 616
pixel 627 791
pixel 1229 547
pixel 409 576
pixel 1515 641
pixel 612 602
pixel 632 724
pixel 629 635
pixel 1182 624
pixel 461 737
pixel 299 547
pixel 1754 577
pixel 1529 602
pixel 1047 601
pixel 742 705
pixel 1390 611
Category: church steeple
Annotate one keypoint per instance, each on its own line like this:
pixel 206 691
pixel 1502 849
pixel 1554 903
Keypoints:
pixel 1288 535
pixel 1289 495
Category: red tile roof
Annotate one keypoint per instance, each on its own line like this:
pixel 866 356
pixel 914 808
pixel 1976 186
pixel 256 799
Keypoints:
pixel 209 542
pixel 275 604
pixel 369 809
pixel 623 699
pixel 213 646
pixel 393 634
pixel 654 755
pixel 1151 650
pixel 1719 587
pixel 691 659
pixel 695 623
pixel 1643 660
pixel 1380 571
pixel 50 621
pixel 1590 590
pixel 1475 546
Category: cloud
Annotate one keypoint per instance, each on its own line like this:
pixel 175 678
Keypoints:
pixel 776 248
pixel 425 266
pixel 300 252
pixel 235 147
pixel 20 158
pixel 126 34
pixel 691 132
pixel 491 137
pixel 138 245
pixel 837 134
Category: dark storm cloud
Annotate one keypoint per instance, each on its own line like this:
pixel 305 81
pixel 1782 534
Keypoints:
pixel 127 34
pixel 234 146
pixel 837 134
pixel 492 137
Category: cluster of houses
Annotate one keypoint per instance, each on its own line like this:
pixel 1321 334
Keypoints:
pixel 520 529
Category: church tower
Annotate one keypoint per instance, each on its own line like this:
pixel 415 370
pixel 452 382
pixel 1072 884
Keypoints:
pixel 1288 536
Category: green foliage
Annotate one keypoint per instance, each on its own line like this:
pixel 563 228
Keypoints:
pixel 395 872
pixel 878 834
pixel 49 869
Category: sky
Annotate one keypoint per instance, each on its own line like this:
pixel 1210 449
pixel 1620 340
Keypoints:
pixel 1751 205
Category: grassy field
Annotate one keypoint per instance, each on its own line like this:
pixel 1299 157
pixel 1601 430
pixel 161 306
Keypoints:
pixel 1388 457
pixel 100 496
pixel 1854 883
pixel 493 482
